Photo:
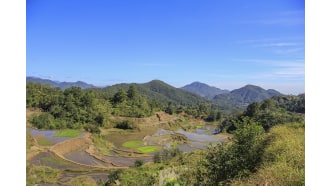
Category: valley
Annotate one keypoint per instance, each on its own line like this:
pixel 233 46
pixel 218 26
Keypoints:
pixel 151 134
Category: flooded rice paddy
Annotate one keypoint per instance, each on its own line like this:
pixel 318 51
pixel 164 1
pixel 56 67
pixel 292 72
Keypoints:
pixel 120 156
pixel 49 135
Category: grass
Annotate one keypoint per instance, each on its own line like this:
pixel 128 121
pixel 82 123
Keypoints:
pixel 82 181
pixel 51 160
pixel 283 159
pixel 43 141
pixel 103 145
pixel 132 144
pixel 67 133
pixel 148 149
pixel 41 174
pixel 29 140
pixel 199 127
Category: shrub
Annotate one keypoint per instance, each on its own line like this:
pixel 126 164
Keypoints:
pixel 138 163
pixel 43 121
pixel 126 124
pixel 92 129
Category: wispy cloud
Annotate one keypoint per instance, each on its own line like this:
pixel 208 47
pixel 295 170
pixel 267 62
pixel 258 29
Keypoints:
pixel 277 44
pixel 286 18
pixel 280 46
pixel 280 21
pixel 277 69
pixel 288 50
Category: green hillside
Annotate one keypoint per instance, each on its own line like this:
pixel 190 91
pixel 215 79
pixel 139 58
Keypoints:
pixel 162 92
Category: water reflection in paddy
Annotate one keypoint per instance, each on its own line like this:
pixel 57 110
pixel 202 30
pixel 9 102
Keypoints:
pixel 49 134
pixel 196 140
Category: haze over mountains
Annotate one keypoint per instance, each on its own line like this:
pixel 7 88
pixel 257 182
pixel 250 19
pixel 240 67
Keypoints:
pixel 192 94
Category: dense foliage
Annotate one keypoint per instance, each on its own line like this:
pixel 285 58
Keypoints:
pixel 77 108
pixel 90 108
pixel 291 103
pixel 283 160
pixel 269 113
pixel 239 158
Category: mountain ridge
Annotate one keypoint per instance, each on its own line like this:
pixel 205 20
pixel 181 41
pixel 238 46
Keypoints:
pixel 165 93
pixel 59 84
pixel 203 89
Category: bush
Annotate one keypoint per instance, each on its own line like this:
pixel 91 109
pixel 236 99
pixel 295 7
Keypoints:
pixel 43 121
pixel 236 159
pixel 157 158
pixel 92 129
pixel 113 176
pixel 126 124
pixel 138 163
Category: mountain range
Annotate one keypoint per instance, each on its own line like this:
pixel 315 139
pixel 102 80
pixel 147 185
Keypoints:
pixel 61 85
pixel 192 94
pixel 235 99
pixel 242 97
pixel 204 90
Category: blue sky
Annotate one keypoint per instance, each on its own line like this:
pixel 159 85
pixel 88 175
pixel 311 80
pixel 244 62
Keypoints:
pixel 224 43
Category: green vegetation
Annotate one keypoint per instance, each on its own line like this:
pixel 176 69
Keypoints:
pixel 239 158
pixel 267 145
pixel 53 160
pixel 126 124
pixel 148 149
pixel 291 103
pixel 29 140
pixel 43 141
pixel 268 113
pixel 138 163
pixel 132 144
pixel 258 154
pixel 103 145
pixel 83 181
pixel 283 161
pixel 38 174
pixel 67 133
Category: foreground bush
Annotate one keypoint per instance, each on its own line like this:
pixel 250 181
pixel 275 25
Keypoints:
pixel 283 162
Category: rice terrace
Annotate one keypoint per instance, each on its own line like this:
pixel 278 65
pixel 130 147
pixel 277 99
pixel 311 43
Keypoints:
pixel 96 137
pixel 165 93
pixel 73 150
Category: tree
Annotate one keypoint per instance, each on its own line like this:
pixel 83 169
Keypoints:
pixel 252 109
pixel 99 120
pixel 132 92
pixel 119 97
pixel 170 108
pixel 239 158
pixel 43 121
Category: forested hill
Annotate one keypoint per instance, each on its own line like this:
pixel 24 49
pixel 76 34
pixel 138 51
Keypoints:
pixel 162 92
pixel 203 90
pixel 240 98
pixel 190 95
pixel 61 85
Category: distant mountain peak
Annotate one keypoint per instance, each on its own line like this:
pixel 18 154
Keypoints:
pixel 203 89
